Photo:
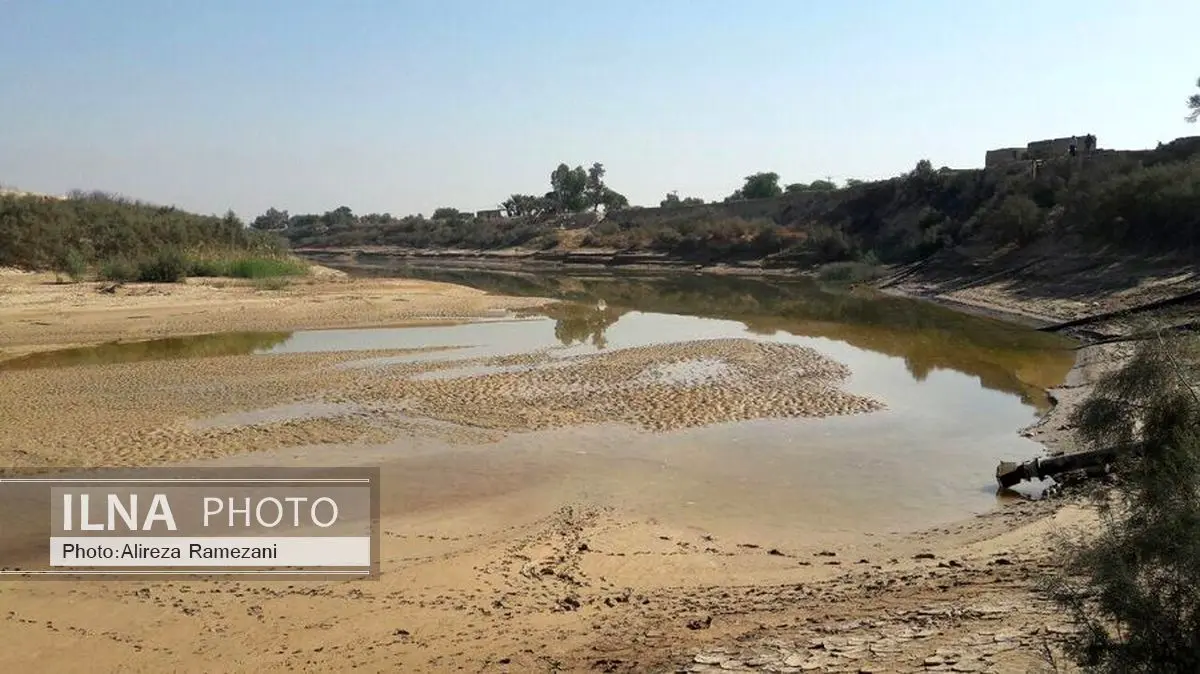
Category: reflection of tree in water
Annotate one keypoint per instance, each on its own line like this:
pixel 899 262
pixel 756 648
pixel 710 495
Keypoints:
pixel 199 346
pixel 583 323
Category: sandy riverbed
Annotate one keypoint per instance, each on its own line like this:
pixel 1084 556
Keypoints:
pixel 36 313
pixel 538 560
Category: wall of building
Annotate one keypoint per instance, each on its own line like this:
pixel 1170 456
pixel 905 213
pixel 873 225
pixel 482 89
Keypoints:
pixel 1004 156
pixel 1057 147
pixel 1039 149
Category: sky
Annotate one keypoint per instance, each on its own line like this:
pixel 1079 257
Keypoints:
pixel 402 106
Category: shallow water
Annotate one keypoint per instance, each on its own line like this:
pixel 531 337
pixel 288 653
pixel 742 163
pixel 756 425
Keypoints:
pixel 928 338
pixel 957 388
pixel 169 348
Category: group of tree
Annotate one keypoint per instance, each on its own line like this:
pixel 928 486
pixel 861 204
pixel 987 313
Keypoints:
pixel 765 185
pixel 447 228
pixel 672 200
pixel 761 185
pixel 87 229
pixel 1136 201
pixel 572 190
pixel 1142 201
pixel 531 219
pixel 271 221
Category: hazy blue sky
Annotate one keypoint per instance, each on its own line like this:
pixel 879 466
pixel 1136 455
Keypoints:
pixel 401 106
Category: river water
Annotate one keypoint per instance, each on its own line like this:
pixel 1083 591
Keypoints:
pixel 957 389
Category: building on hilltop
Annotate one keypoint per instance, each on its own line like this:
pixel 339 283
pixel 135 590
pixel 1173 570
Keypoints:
pixel 1069 146
pixel 1057 147
pixel 1004 156
pixel 491 214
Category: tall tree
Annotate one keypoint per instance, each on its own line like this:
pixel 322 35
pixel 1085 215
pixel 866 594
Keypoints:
pixel 519 205
pixel 761 186
pixel 272 220
pixel 595 186
pixel 568 186
pixel 1193 104
pixel 613 201
pixel 1133 584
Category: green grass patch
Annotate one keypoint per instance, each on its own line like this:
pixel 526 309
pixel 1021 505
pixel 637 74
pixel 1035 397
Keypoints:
pixel 206 267
pixel 172 266
pixel 266 267
pixel 245 266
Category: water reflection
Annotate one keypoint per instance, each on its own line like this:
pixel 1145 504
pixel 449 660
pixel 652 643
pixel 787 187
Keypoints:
pixel 170 348
pixel 579 323
pixel 1004 357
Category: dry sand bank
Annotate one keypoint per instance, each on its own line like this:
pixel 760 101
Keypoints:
pixel 36 313
pixel 549 561
pixel 500 569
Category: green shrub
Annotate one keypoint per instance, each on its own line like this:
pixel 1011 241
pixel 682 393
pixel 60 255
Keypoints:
pixel 108 227
pixel 265 267
pixel 118 269
pixel 848 272
pixel 243 266
pixel 72 264
pixel 829 244
pixel 168 266
pixel 206 267
pixel 1133 583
